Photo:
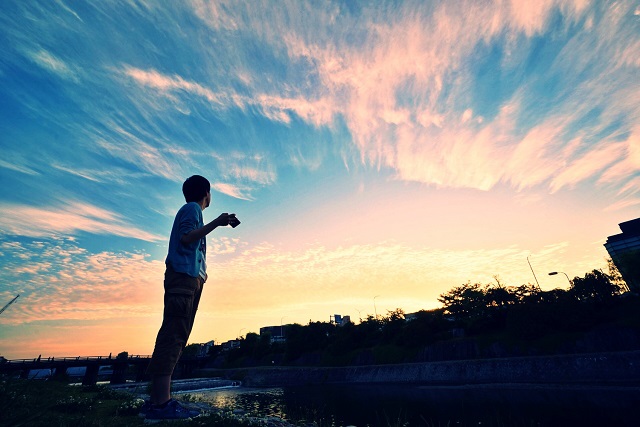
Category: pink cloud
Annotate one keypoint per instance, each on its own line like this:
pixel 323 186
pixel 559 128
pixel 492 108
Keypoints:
pixel 404 53
pixel 432 139
pixel 277 108
pixel 253 174
pixel 74 216
pixel 231 190
pixel 627 160
pixel 622 204
pixel 158 81
pixel 587 166
pixel 79 285
pixel 318 112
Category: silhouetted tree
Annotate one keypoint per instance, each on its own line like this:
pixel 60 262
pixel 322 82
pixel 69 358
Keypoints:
pixel 368 332
pixel 528 293
pixel 500 297
pixel 464 302
pixel 555 295
pixel 629 267
pixel 615 277
pixel 392 325
pixel 594 286
pixel 307 339
pixel 191 350
pixel 424 328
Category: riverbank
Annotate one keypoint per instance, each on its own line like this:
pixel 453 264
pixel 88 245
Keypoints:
pixel 51 403
pixel 591 368
pixel 47 403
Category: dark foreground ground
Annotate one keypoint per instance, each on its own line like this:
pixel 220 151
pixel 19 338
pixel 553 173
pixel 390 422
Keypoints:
pixel 35 403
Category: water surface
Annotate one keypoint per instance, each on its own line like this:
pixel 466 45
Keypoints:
pixel 411 405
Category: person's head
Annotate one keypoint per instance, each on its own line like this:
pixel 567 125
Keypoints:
pixel 196 188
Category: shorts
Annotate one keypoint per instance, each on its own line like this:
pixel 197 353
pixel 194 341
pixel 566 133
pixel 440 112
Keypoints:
pixel 181 298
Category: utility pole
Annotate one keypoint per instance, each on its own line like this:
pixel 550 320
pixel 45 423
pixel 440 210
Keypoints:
pixel 9 303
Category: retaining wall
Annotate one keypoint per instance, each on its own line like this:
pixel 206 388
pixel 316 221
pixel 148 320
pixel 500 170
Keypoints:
pixel 594 368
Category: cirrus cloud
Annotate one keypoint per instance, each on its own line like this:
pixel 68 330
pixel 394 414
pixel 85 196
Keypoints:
pixel 70 218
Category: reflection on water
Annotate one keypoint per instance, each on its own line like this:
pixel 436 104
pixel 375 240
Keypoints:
pixel 256 402
pixel 394 405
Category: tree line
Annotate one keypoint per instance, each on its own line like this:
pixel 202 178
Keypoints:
pixel 496 314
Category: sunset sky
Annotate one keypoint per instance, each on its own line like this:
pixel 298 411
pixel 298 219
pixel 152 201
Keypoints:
pixel 377 153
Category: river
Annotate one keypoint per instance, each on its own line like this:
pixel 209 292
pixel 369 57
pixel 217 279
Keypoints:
pixel 414 405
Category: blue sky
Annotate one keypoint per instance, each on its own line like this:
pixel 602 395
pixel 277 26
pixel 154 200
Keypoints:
pixel 390 148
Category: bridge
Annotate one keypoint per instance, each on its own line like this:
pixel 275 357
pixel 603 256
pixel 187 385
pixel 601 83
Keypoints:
pixel 122 368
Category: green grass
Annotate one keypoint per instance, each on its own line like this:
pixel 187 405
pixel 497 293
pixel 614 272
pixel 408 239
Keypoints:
pixel 38 403
pixel 52 403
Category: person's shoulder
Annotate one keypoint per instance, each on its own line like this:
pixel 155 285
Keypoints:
pixel 191 208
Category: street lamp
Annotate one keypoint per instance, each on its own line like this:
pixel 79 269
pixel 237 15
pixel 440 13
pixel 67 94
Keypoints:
pixel 375 309
pixel 534 274
pixel 240 333
pixel 553 273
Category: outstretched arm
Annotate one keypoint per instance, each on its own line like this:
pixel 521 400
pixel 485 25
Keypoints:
pixel 198 233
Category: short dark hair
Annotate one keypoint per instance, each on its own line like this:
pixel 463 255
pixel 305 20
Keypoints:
pixel 195 188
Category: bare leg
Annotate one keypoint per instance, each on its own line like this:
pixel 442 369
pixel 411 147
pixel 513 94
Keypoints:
pixel 160 389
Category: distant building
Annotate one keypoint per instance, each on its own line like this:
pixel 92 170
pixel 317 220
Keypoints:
pixel 204 348
pixel 624 250
pixel 339 319
pixel 231 344
pixel 276 333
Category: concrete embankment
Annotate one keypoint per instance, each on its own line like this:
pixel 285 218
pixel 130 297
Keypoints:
pixel 593 368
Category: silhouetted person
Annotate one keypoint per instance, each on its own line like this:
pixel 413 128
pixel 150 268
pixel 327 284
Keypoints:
pixel 185 275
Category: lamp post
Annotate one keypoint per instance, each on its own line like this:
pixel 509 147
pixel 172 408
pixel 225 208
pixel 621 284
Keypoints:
pixel 534 274
pixel 374 306
pixel 553 273
pixel 240 333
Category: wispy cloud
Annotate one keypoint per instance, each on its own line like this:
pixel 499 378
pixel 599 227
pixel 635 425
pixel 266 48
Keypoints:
pixel 80 284
pixel 155 80
pixel 145 155
pixel 18 168
pixel 405 84
pixel 231 190
pixel 588 165
pixel 77 284
pixel 52 63
pixel 622 204
pixel 276 108
pixel 71 218
pixel 628 161
pixel 253 174
pixel 108 175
